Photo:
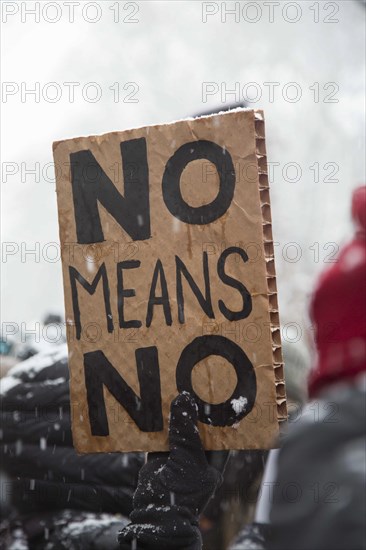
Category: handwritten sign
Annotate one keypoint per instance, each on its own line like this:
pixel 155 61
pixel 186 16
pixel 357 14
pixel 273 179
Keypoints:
pixel 170 283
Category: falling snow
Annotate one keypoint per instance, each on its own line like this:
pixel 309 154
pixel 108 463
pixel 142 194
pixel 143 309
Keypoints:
pixel 239 405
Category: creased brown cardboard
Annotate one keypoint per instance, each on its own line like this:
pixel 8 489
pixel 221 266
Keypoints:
pixel 186 273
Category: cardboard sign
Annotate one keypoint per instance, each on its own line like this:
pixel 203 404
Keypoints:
pixel 170 284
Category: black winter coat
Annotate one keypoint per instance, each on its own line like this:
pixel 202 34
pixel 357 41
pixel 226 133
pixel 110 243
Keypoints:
pixel 44 475
pixel 322 475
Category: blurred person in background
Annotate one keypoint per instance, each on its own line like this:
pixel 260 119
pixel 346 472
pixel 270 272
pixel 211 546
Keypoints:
pixel 8 357
pixel 319 474
pixel 43 337
pixel 47 334
pixel 324 454
pixel 51 496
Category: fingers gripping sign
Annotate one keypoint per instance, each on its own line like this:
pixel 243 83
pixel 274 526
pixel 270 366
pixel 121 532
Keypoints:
pixel 173 489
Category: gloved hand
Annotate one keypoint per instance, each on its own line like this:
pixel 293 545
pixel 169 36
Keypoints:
pixel 172 489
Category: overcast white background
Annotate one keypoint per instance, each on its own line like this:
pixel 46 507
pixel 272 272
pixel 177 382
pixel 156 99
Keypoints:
pixel 169 53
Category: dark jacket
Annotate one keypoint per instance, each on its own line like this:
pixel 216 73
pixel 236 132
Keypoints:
pixel 318 495
pixel 44 477
pixel 321 500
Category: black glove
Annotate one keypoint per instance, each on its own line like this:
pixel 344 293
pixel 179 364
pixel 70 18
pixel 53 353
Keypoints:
pixel 173 491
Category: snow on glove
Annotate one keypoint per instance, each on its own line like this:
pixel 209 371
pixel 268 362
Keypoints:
pixel 172 492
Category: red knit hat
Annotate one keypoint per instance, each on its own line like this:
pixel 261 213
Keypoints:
pixel 338 309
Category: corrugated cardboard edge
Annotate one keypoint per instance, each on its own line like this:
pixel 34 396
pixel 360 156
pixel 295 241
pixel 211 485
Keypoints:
pixel 278 364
